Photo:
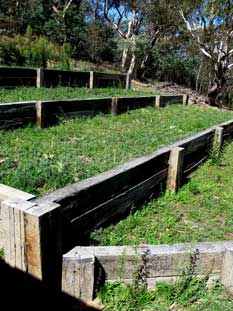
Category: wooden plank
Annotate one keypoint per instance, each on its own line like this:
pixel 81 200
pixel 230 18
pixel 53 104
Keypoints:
pixel 125 104
pixel 79 198
pixel 193 143
pixel 162 260
pixel 7 192
pixel 119 205
pixel 17 114
pixel 48 112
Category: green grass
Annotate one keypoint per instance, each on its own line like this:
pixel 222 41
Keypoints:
pixel 40 161
pixel 32 94
pixel 195 297
pixel 201 211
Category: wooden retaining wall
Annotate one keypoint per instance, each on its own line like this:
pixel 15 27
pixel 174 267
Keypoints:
pixel 15 115
pixel 40 230
pixel 47 113
pixel 162 263
pixel 11 77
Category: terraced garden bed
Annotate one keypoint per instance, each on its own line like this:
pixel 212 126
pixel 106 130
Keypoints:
pixel 40 161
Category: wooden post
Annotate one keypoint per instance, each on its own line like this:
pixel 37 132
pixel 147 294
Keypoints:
pixel 39 115
pixel 128 82
pixel 40 78
pixel 185 99
pixel 175 170
pixel 157 101
pixel 78 276
pixel 114 106
pixel 7 193
pixel 227 271
pixel 34 235
pixel 92 80
pixel 218 140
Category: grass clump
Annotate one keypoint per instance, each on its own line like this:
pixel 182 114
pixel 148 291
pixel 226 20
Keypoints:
pixel 201 211
pixel 196 297
pixel 40 161
pixel 189 292
pixel 32 94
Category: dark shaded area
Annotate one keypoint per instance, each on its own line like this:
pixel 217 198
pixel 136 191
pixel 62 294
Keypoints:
pixel 20 291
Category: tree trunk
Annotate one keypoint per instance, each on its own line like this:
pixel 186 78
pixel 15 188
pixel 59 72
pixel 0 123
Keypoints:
pixel 124 57
pixel 218 85
pixel 132 64
pixel 133 58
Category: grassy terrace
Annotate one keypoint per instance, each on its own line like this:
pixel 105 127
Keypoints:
pixel 201 211
pixel 31 94
pixel 40 161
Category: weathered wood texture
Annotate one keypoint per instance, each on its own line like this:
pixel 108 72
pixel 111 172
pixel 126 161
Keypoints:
pixel 175 170
pixel 5 194
pixel 159 263
pixel 17 114
pixel 17 77
pixel 196 149
pixel 33 234
pixel 99 199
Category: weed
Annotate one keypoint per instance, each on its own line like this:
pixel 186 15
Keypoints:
pixel 188 293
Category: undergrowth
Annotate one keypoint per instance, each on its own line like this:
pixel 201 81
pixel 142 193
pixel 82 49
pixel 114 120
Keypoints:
pixel 188 293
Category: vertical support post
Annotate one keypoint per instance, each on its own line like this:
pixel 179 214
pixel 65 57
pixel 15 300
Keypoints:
pixel 34 235
pixel 114 106
pixel 40 78
pixel 218 140
pixel 39 115
pixel 157 101
pixel 128 81
pixel 227 270
pixel 175 170
pixel 185 99
pixel 60 80
pixel 78 276
pixel 92 80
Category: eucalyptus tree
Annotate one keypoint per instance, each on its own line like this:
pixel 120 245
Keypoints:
pixel 210 26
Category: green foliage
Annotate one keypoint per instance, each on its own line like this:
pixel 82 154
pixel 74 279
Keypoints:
pixel 1 253
pixel 194 297
pixel 173 65
pixel 40 161
pixel 200 211
pixel 30 50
